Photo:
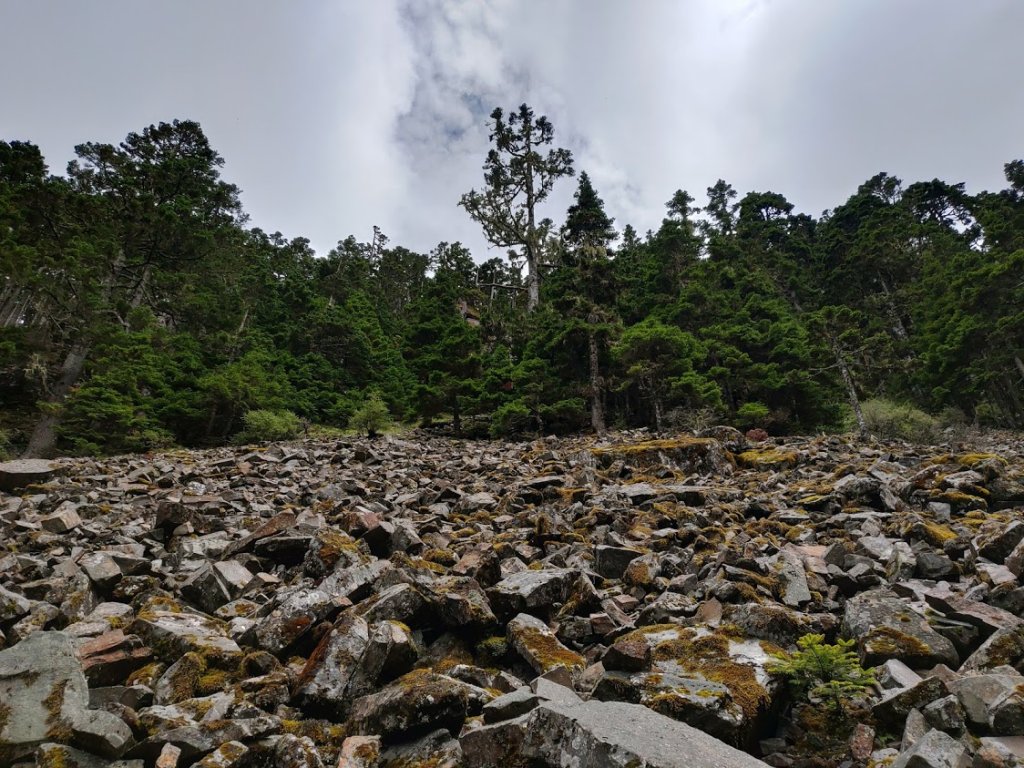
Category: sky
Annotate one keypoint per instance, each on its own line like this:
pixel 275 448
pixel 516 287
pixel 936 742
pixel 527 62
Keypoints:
pixel 333 116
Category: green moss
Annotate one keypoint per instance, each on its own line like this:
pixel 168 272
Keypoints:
pixel 886 642
pixel 960 500
pixel 768 459
pixel 937 534
pixel 706 657
pixel 547 651
pixel 148 675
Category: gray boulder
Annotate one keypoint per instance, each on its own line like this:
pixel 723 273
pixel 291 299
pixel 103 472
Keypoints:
pixel 597 734
pixel 44 698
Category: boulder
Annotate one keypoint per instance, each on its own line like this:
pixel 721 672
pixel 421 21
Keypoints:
pixel 601 735
pixel 44 697
pixel 885 627
pixel 15 475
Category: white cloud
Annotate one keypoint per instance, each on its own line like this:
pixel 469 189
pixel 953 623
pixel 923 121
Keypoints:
pixel 337 116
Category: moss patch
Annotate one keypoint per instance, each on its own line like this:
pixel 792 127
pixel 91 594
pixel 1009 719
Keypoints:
pixel 769 459
pixel 546 651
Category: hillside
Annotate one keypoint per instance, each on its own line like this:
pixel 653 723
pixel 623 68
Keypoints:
pixel 425 601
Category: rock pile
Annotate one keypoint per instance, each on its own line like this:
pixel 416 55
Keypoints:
pixel 427 602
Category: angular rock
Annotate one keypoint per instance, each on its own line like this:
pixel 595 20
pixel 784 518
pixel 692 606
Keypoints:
pixel 44 698
pixel 885 627
pixel 415 704
pixel 933 750
pixel 533 592
pixel 15 475
pixel 611 562
pixel 536 643
pixel 619 735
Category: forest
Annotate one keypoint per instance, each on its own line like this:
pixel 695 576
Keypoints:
pixel 139 309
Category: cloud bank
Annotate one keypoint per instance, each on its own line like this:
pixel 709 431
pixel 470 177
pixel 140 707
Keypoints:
pixel 335 117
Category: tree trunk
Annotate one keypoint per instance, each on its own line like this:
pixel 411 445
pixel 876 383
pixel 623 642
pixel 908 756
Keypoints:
pixel 898 329
pixel 456 416
pixel 532 246
pixel 532 286
pixel 596 385
pixel 851 392
pixel 44 436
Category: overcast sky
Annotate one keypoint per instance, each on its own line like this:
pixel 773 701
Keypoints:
pixel 336 115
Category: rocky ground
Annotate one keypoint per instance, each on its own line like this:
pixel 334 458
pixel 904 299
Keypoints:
pixel 427 602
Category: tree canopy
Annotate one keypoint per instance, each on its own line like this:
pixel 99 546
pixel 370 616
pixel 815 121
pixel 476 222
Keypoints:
pixel 139 308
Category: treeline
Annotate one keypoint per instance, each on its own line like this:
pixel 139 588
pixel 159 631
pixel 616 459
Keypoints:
pixel 138 309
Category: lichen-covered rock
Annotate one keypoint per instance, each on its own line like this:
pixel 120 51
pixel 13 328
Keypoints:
pixel 885 627
pixel 44 698
pixel 533 592
pixel 417 703
pixel 171 629
pixel 536 643
pixel 699 676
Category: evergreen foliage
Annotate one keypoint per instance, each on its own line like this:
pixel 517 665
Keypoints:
pixel 265 426
pixel 824 672
pixel 138 309
pixel 372 417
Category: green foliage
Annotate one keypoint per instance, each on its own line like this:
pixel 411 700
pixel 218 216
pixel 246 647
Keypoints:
pixel 824 672
pixel 137 310
pixel 264 426
pixel 900 421
pixel 372 417
pixel 5 445
pixel 511 419
pixel 564 416
pixel 752 415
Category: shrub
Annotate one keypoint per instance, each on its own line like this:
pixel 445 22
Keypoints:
pixel 823 672
pixel 511 419
pixel 564 416
pixel 372 417
pixel 5 445
pixel 262 426
pixel 751 415
pixel 900 421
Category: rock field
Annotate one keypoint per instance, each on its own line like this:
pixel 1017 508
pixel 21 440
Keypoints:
pixel 421 601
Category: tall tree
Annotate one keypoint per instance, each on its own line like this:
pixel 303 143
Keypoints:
pixel 587 235
pixel 518 178
pixel 157 204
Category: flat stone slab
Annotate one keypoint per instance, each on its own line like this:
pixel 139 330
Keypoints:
pixel 17 474
pixel 616 734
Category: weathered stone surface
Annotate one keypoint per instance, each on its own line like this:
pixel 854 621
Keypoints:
pixel 301 578
pixel 416 703
pixel 537 644
pixel 607 734
pixel 44 698
pixel 933 750
pixel 611 562
pixel 699 676
pixel 110 658
pixel 533 592
pixel 885 627
pixel 15 475
pixel 171 630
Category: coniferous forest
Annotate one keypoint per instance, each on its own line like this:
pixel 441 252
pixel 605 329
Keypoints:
pixel 139 308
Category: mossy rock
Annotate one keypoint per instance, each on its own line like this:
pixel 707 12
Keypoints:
pixel 768 459
pixel 688 454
